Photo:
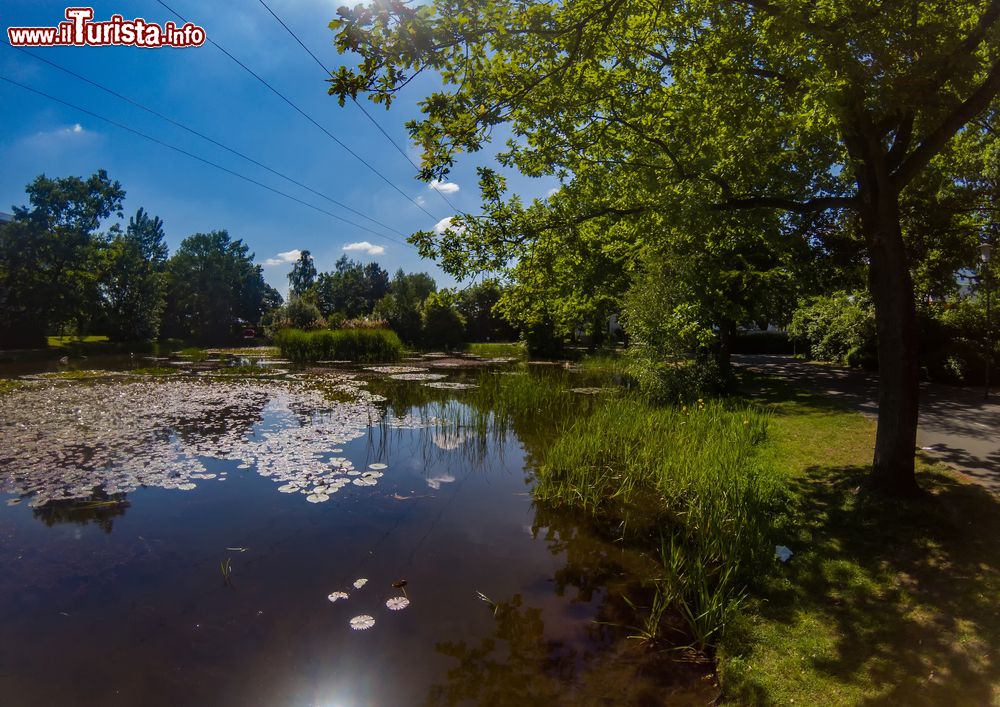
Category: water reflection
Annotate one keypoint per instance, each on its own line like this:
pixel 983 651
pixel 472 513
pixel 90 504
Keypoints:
pixel 100 509
pixel 452 514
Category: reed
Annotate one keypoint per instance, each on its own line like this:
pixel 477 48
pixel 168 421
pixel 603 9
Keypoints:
pixel 362 345
pixel 687 482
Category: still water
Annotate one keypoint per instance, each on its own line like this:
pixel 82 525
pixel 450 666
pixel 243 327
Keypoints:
pixel 175 539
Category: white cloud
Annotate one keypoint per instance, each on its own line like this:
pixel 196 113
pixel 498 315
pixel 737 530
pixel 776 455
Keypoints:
pixel 289 256
pixel 365 247
pixel 444 224
pixel 435 481
pixel 421 201
pixel 444 187
pixel 76 129
pixel 553 191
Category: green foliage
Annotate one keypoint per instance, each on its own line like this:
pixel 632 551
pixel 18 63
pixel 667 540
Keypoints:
pixel 50 259
pixel 303 275
pixel 478 305
pixel 352 289
pixel 214 287
pixel 133 282
pixel 838 328
pixel 685 481
pixel 401 306
pixel 363 345
pixel 297 313
pixel 441 324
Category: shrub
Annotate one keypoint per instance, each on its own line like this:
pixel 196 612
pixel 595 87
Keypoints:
pixel 838 328
pixel 364 324
pixel 679 381
pixel 298 313
pixel 364 345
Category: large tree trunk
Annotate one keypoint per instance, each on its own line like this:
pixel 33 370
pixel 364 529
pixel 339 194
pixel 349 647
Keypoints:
pixel 896 323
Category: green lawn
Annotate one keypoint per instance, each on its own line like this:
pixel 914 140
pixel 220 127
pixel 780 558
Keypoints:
pixel 884 602
pixel 496 350
pixel 59 342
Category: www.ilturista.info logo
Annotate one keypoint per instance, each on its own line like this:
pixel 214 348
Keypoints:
pixel 80 30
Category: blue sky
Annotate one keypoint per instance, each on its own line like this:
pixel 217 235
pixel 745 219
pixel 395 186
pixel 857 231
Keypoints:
pixel 205 90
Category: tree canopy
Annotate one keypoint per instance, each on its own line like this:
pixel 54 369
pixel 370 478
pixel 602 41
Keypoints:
pixel 659 116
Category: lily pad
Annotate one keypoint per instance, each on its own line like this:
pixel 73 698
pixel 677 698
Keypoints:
pixel 363 622
pixel 358 583
pixel 397 603
pixel 334 596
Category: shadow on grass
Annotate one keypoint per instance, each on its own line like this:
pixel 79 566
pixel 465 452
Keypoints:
pixel 905 593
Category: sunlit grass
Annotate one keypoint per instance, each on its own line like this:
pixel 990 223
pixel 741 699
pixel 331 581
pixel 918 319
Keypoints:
pixel 888 602
pixel 498 350
pixel 64 341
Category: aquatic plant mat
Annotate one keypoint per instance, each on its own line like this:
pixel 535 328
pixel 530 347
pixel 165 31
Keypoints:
pixel 329 535
pixel 68 441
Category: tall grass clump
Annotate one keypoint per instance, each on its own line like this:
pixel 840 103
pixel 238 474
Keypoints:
pixel 686 483
pixel 362 345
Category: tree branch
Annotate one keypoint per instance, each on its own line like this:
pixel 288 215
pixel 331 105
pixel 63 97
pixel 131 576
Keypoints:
pixel 821 203
pixel 936 139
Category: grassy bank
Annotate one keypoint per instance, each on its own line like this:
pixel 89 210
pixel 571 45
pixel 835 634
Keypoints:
pixel 362 345
pixel 883 602
pixel 685 483
pixel 497 350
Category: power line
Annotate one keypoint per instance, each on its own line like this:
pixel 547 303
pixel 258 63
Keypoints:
pixel 368 115
pixel 305 115
pixel 182 151
pixel 204 137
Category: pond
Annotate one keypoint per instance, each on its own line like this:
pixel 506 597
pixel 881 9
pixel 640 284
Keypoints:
pixel 184 533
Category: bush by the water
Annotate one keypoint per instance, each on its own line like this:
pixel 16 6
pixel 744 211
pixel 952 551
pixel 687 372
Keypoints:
pixel 364 345
pixel 690 479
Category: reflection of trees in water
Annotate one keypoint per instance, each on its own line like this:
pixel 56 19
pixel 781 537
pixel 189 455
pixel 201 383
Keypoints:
pixel 233 418
pixel 518 665
pixel 514 666
pixel 101 508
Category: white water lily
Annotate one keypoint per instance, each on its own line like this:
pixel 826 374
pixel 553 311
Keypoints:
pixel 358 583
pixel 397 603
pixel 363 622
pixel 334 596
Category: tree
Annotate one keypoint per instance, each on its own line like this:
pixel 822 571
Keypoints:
pixel 49 256
pixel 303 275
pixel 442 325
pixel 653 112
pixel 401 306
pixel 478 304
pixel 214 287
pixel 133 283
pixel 352 289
